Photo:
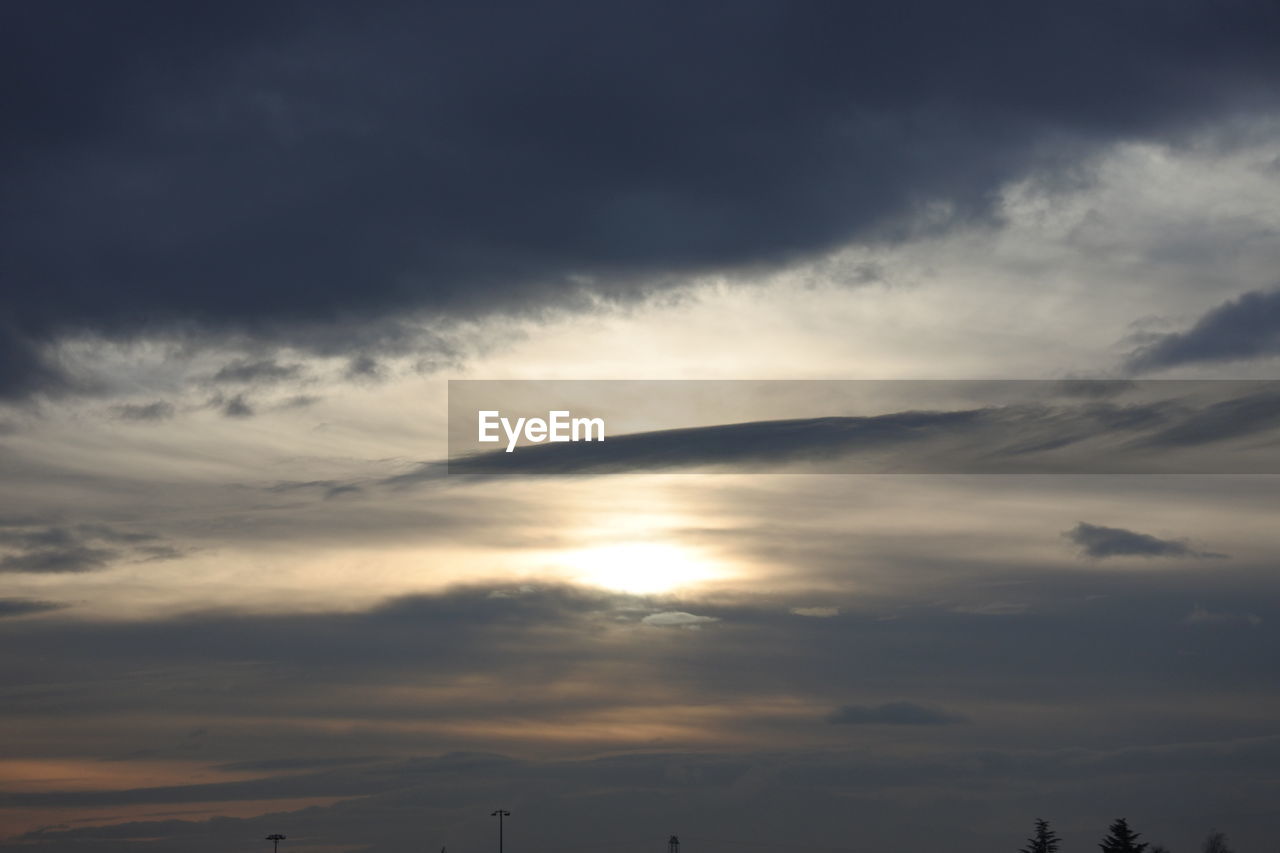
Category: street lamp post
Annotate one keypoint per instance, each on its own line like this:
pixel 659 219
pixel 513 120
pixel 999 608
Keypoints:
pixel 499 814
pixel 275 838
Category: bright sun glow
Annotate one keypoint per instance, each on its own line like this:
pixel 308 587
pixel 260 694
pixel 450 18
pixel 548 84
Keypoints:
pixel 639 568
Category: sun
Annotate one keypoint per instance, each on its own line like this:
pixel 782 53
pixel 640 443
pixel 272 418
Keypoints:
pixel 639 568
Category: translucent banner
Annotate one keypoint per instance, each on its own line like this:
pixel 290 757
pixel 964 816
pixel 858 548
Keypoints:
pixel 590 427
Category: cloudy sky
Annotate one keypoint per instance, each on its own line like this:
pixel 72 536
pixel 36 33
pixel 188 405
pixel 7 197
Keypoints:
pixel 247 246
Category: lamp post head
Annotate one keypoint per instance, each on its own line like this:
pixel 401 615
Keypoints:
pixel 499 813
pixel 275 836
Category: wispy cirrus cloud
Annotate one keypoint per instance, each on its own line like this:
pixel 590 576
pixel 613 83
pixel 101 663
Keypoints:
pixel 25 606
pixel 61 549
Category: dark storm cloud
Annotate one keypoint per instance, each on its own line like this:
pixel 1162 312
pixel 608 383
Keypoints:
pixel 1101 542
pixel 893 714
pixel 25 366
pixel 1242 328
pixel 278 170
pixel 78 548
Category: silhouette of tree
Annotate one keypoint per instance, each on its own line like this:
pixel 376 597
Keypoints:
pixel 1216 843
pixel 1122 839
pixel 1159 848
pixel 1044 840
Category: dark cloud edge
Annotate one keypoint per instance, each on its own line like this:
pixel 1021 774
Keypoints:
pixel 1240 329
pixel 654 151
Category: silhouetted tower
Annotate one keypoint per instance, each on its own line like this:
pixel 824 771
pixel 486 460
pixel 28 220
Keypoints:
pixel 673 845
pixel 275 838
pixel 499 814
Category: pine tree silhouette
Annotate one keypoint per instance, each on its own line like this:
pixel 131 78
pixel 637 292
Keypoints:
pixel 1122 839
pixel 1044 840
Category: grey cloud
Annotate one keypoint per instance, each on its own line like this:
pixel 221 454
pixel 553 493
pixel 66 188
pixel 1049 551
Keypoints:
pixel 1242 328
pixel 994 608
pixel 160 410
pixel 157 553
pixel 341 489
pixel 454 631
pixel 27 365
pixel 271 686
pixel 24 606
pixel 107 533
pixel 237 407
pixel 524 639
pixel 257 372
pixel 364 367
pixel 300 401
pixel 893 714
pixel 296 172
pixel 75 548
pixel 329 489
pixel 294 691
pixel 58 560
pixel 1250 414
pixel 1099 543
pixel 25 536
pixel 1099 389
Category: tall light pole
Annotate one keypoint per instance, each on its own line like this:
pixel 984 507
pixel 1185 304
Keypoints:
pixel 275 838
pixel 499 814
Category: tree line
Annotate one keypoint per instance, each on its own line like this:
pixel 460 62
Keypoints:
pixel 1119 839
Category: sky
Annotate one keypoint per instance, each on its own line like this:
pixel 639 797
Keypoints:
pixel 248 246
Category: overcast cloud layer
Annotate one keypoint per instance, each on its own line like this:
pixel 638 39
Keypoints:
pixel 246 244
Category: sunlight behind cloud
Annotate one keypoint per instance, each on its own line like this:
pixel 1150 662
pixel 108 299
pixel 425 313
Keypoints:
pixel 640 568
